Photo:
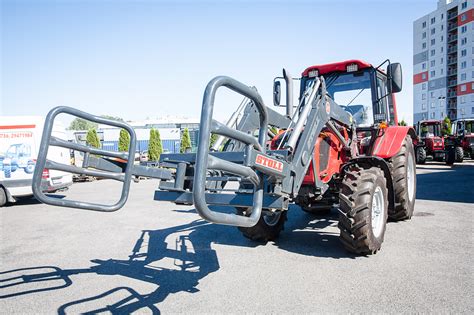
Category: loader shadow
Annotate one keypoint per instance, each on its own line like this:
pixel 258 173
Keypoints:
pixel 31 200
pixel 454 184
pixel 174 259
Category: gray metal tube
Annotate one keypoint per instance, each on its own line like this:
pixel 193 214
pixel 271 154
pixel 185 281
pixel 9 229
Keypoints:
pixel 289 93
pixel 246 138
pixel 202 155
pixel 302 117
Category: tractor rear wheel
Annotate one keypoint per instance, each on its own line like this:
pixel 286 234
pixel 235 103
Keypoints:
pixel 363 212
pixel 458 154
pixel 404 181
pixel 268 228
pixel 420 155
pixel 3 197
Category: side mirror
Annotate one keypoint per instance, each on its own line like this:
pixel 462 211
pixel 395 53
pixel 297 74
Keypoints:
pixel 276 93
pixel 394 72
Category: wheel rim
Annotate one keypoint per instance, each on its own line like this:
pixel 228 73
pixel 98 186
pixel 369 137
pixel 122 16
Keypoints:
pixel 378 209
pixel 410 178
pixel 271 218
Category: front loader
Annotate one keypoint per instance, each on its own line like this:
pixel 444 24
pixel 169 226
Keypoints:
pixel 319 153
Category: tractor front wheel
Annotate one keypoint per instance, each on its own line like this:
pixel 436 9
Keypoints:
pixel 363 212
pixel 268 228
pixel 420 155
pixel 404 181
pixel 450 156
pixel 458 154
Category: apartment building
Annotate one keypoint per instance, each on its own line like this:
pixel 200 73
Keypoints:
pixel 443 62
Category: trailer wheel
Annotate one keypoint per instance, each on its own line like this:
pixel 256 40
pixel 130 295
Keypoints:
pixel 420 155
pixel 458 154
pixel 3 197
pixel 404 182
pixel 268 228
pixel 363 210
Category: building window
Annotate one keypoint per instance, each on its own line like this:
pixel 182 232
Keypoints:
pixel 432 63
pixel 432 114
pixel 442 49
pixel 424 35
pixel 442 16
pixel 441 103
pixel 442 71
pixel 423 24
pixel 441 60
pixel 463 29
pixel 432 42
pixel 472 74
pixel 433 20
pixel 463 76
pixel 423 76
pixel 432 73
pixel 432 96
pixel 433 31
pixel 464 41
pixel 432 105
pixel 432 84
pixel 441 114
pixel 423 106
pixel 423 66
pixel 463 53
pixel 472 62
pixel 472 86
pixel 463 65
pixel 423 86
pixel 463 99
pixel 464 5
pixel 463 17
pixel 472 110
pixel 442 27
pixel 423 46
pixel 432 52
pixel 423 96
pixel 442 38
pixel 463 88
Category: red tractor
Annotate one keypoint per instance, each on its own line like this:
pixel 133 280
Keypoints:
pixel 463 138
pixel 341 144
pixel 430 141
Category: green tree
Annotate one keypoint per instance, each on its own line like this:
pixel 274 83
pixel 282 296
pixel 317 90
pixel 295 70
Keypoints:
pixel 81 124
pixel 185 141
pixel 112 117
pixel 155 147
pixel 402 123
pixel 124 141
pixel 446 126
pixel 213 139
pixel 92 138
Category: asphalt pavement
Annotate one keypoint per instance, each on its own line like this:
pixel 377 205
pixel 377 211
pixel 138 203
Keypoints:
pixel 153 257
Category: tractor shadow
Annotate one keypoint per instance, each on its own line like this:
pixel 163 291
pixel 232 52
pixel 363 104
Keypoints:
pixel 174 259
pixel 452 184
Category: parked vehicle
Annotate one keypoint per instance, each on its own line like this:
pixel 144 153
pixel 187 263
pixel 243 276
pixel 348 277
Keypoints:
pixel 463 137
pixel 19 142
pixel 353 153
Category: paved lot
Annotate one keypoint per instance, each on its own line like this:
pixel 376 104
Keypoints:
pixel 159 257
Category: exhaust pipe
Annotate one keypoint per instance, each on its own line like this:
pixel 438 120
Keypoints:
pixel 289 93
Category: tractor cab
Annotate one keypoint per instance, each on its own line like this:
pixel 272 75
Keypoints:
pixel 463 131
pixel 429 129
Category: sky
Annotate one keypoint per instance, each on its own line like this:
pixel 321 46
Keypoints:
pixel 147 59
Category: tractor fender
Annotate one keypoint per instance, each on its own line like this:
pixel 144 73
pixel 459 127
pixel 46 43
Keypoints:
pixel 387 145
pixel 384 166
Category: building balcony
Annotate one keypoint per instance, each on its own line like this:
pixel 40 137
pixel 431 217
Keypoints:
pixel 452 72
pixel 452 105
pixel 452 15
pixel 452 61
pixel 453 49
pixel 452 83
pixel 452 38
pixel 452 27
pixel 451 94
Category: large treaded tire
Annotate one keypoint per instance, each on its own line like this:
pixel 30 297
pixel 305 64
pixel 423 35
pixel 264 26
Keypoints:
pixel 3 197
pixel 404 205
pixel 420 155
pixel 355 213
pixel 459 155
pixel 262 231
pixel 450 156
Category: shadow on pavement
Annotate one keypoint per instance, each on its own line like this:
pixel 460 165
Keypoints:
pixel 454 184
pixel 175 259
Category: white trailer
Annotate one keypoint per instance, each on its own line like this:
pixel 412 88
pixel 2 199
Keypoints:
pixel 20 137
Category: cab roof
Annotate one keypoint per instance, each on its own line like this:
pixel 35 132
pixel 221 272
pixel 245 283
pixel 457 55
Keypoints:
pixel 336 67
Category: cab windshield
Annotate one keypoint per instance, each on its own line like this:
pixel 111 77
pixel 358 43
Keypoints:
pixel 352 91
pixel 433 130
